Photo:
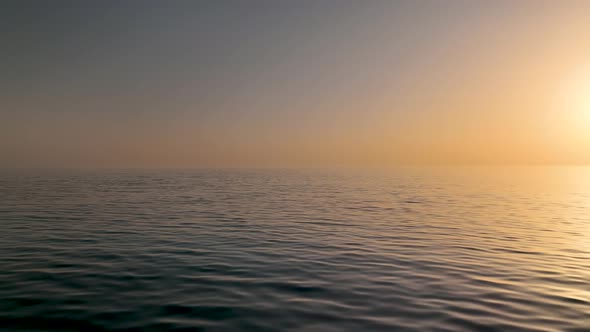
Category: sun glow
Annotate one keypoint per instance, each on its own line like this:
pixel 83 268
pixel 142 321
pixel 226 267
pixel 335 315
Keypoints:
pixel 574 106
pixel 580 96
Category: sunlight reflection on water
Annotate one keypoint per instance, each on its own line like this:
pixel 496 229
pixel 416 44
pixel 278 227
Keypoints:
pixel 412 249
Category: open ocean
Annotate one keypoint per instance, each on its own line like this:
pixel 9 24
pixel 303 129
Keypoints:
pixel 410 249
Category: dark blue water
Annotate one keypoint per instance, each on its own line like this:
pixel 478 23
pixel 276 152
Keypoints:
pixel 286 250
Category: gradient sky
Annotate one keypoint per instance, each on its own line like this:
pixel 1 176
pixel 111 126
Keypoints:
pixel 293 83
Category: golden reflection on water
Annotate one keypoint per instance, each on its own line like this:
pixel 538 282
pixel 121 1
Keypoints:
pixel 536 219
pixel 545 208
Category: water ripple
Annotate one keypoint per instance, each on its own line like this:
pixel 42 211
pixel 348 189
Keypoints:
pixel 292 251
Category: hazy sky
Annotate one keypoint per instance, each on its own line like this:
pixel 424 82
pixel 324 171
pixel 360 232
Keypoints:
pixel 293 83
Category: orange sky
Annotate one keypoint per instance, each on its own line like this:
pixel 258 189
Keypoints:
pixel 374 83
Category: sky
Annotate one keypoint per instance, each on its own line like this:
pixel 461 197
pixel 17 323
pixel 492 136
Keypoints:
pixel 279 83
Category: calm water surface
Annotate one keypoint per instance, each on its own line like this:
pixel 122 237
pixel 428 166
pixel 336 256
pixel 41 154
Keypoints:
pixel 285 250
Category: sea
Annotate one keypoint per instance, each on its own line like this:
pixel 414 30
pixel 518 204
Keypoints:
pixel 401 249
